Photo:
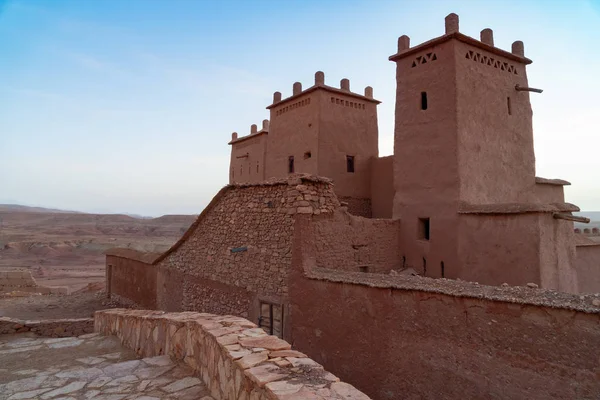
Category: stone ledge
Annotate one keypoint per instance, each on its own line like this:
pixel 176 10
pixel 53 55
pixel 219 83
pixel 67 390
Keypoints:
pixel 234 358
pixel 48 327
pixel 588 303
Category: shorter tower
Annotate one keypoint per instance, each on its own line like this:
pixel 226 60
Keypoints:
pixel 326 131
pixel 247 164
pixel 321 130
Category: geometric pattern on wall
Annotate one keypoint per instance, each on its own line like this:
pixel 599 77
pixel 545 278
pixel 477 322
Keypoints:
pixel 429 57
pixel 483 59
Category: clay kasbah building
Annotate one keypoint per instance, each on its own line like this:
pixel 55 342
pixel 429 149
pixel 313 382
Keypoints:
pixel 447 270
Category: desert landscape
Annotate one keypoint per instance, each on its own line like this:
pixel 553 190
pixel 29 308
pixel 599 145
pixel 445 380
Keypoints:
pixel 66 249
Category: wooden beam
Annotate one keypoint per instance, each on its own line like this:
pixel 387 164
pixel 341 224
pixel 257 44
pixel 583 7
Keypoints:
pixel 527 89
pixel 570 217
pixel 244 156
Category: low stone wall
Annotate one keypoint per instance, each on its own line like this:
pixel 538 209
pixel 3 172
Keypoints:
pixel 48 328
pixel 234 358
pixel 23 282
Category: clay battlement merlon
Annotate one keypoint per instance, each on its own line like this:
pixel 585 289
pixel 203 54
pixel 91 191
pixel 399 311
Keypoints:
pixel 319 84
pixel 486 42
pixel 254 132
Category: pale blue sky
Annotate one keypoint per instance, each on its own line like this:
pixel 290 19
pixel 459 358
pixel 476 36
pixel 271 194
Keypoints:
pixel 127 106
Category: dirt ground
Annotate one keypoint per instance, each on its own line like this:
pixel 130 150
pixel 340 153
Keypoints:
pixel 78 305
pixel 67 249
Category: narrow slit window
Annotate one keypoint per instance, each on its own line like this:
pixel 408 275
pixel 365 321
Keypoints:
pixel 257 167
pixel 350 163
pixel 424 267
pixel 442 268
pixel 291 164
pixel 423 100
pixel 508 106
pixel 424 228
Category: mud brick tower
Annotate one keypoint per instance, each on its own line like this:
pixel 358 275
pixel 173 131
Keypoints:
pixel 321 130
pixel 464 162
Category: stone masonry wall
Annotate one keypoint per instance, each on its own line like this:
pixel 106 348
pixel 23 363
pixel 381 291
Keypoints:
pixel 347 242
pixel 235 359
pixel 47 328
pixel 358 206
pixel 243 238
pixel 179 291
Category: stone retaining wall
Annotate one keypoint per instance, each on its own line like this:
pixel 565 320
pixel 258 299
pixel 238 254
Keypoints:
pixel 48 328
pixel 234 358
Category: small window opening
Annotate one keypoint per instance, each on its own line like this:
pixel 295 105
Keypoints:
pixel 257 167
pixel 442 268
pixel 291 164
pixel 423 100
pixel 363 269
pixel 350 163
pixel 424 267
pixel 307 155
pixel 424 228
pixel 509 106
pixel 403 261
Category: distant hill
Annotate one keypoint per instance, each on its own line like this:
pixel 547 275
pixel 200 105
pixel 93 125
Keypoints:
pixel 594 217
pixel 29 209
pixel 20 208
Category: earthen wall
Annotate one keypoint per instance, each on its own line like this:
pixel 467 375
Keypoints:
pixel 131 279
pixel 547 193
pixel 447 339
pixel 557 254
pixel 587 265
pixel 382 186
pixel 496 249
pixel 247 163
pixel 347 127
pixel 293 133
pixel 346 242
pixel 495 134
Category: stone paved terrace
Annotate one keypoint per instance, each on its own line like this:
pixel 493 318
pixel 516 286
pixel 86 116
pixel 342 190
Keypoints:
pixel 89 367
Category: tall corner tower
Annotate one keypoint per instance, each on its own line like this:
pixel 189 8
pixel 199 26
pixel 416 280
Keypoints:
pixel 463 134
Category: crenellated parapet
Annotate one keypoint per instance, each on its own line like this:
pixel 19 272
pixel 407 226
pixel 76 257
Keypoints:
pixel 486 42
pixel 297 99
pixel 253 132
